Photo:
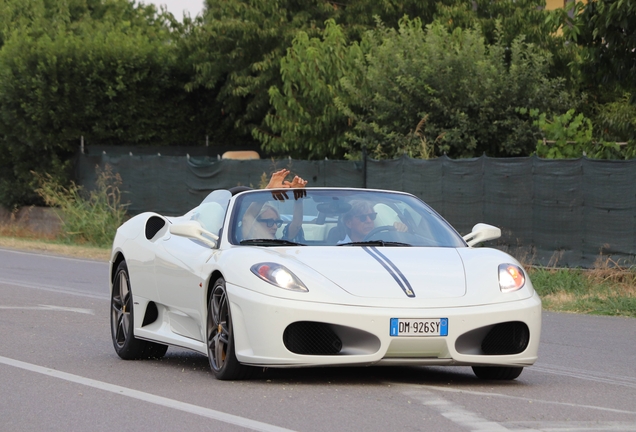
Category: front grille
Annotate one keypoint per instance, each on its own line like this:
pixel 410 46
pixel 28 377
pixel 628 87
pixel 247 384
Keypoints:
pixel 506 338
pixel 311 338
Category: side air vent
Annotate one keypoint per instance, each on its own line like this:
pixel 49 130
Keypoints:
pixel 151 314
pixel 311 338
pixel 506 338
pixel 153 225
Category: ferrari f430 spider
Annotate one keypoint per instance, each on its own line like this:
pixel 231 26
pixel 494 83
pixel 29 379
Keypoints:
pixel 320 277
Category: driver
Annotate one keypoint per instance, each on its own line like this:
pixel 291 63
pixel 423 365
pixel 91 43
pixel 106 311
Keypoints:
pixel 359 221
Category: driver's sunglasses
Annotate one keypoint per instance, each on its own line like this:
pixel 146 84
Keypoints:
pixel 363 217
pixel 271 222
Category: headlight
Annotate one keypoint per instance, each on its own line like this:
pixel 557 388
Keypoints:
pixel 511 277
pixel 279 276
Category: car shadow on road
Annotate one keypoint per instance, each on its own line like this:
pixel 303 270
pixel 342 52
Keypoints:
pixel 343 375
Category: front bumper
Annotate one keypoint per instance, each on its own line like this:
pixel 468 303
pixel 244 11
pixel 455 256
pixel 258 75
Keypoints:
pixel 260 321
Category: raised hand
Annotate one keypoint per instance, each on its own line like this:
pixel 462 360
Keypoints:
pixel 277 181
pixel 297 182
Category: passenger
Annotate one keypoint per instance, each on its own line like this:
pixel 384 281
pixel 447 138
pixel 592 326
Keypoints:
pixel 262 220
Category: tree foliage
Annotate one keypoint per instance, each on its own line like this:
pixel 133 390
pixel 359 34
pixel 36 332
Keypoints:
pixel 411 89
pixel 572 135
pixel 605 33
pixel 308 79
pixel 237 50
pixel 607 30
pixel 107 72
pixel 569 135
pixel 305 121
pixel 462 92
pixel 502 22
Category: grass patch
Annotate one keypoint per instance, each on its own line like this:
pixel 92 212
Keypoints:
pixel 88 218
pixel 55 248
pixel 606 289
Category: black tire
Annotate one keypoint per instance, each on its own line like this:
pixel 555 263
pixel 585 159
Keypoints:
pixel 220 338
pixel 499 373
pixel 126 345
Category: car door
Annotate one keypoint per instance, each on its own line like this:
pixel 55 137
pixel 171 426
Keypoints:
pixel 179 269
pixel 180 283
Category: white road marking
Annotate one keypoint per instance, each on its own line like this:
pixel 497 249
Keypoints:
pixel 473 422
pixel 147 397
pixel 525 399
pixel 570 426
pixel 456 413
pixel 52 288
pixel 586 375
pixel 50 307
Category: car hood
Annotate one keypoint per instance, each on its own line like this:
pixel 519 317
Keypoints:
pixel 389 272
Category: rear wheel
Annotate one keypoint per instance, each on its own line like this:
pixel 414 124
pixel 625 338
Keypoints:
pixel 220 341
pixel 126 344
pixel 501 373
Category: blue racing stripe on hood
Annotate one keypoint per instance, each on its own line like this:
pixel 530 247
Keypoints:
pixel 390 267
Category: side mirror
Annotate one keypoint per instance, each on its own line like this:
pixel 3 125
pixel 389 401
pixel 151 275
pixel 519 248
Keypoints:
pixel 481 233
pixel 193 229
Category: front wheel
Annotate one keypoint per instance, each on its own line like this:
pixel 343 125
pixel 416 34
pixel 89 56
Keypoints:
pixel 126 345
pixel 501 373
pixel 220 337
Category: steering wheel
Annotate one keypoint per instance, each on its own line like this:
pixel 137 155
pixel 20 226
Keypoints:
pixel 379 229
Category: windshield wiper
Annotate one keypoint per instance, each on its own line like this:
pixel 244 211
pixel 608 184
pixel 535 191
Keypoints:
pixel 270 242
pixel 375 243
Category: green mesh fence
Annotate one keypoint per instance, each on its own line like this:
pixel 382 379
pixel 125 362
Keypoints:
pixel 561 212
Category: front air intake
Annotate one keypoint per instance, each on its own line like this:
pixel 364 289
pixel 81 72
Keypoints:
pixel 311 338
pixel 506 338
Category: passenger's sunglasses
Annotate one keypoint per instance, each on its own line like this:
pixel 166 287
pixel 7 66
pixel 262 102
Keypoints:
pixel 363 217
pixel 271 222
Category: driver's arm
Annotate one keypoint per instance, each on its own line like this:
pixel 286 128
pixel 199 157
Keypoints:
pixel 297 219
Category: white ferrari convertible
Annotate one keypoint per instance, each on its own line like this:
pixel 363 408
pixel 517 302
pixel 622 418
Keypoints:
pixel 320 277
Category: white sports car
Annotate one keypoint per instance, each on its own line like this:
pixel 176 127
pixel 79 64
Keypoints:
pixel 320 277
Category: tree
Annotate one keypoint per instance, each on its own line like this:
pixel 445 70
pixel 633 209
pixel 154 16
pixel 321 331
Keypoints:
pixel 608 33
pixel 504 21
pixel 110 79
pixel 237 50
pixel 304 120
pixel 236 53
pixel 605 31
pixel 409 90
pixel 571 136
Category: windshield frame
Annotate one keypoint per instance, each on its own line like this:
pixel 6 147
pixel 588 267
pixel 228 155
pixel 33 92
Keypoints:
pixel 240 204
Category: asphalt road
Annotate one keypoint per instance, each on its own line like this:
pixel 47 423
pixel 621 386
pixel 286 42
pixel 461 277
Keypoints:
pixel 59 372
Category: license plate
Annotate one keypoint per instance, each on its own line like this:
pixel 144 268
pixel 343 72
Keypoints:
pixel 419 326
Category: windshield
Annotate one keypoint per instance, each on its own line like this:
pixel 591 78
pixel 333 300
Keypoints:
pixel 343 217
pixel 211 212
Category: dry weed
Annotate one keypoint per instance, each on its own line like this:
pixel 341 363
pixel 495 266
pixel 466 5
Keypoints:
pixel 621 280
pixel 20 229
